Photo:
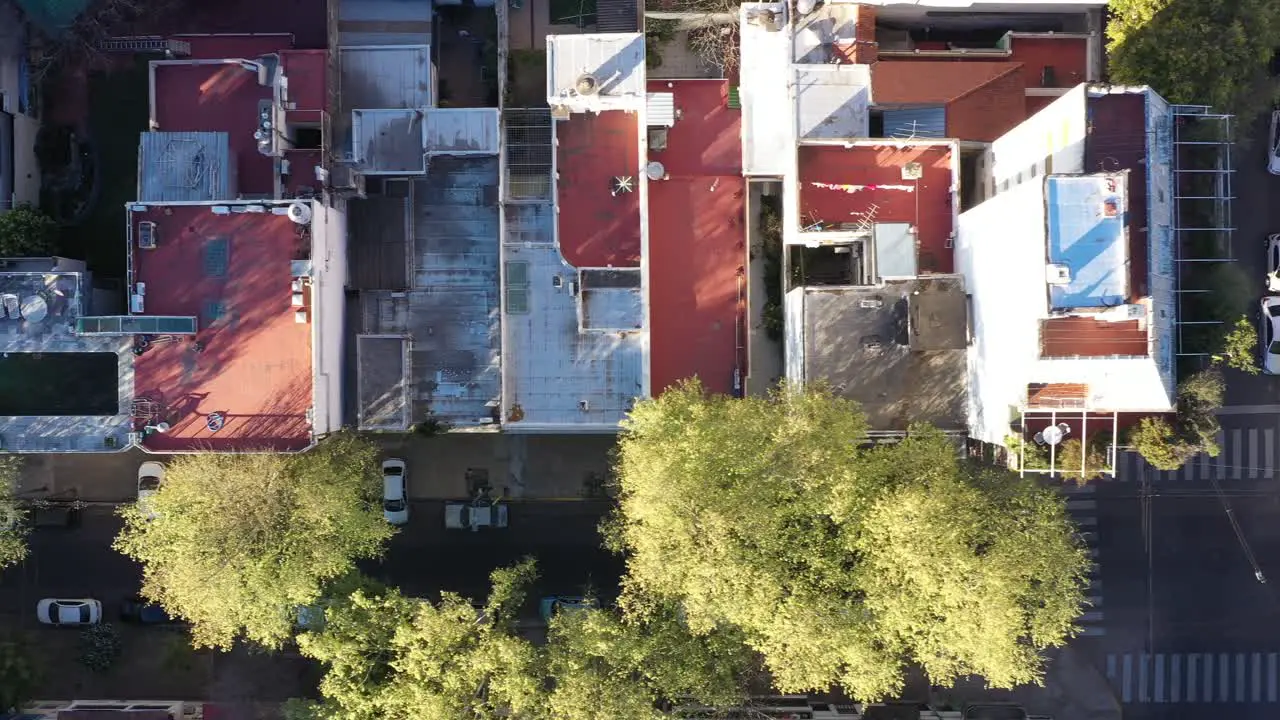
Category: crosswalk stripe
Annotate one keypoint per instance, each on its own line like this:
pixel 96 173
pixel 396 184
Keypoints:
pixel 1175 678
pixel 1082 505
pixel 1188 470
pixel 1268 452
pixel 1204 464
pixel 1253 453
pixel 1111 668
pixel 1087 521
pixel 1237 454
pixel 1191 676
pixel 1256 689
pixel 1271 677
pixel 1158 695
pixel 1222 454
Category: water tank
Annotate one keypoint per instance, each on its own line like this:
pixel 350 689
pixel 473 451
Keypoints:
pixel 587 84
pixel 300 213
pixel 655 171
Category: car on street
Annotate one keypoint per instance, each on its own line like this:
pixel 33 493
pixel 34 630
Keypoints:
pixel 1269 335
pixel 55 611
pixel 137 610
pixel 474 516
pixel 549 606
pixel 150 475
pixel 1273 156
pixel 395 505
pixel 1273 263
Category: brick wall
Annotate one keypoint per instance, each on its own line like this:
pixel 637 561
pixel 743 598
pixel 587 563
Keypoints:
pixel 990 111
pixel 866 50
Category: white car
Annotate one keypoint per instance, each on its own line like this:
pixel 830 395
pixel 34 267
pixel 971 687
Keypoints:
pixel 395 506
pixel 52 611
pixel 473 516
pixel 1273 263
pixel 150 475
pixel 1269 335
pixel 1273 155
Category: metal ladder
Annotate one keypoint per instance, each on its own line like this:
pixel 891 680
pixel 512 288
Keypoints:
pixel 176 48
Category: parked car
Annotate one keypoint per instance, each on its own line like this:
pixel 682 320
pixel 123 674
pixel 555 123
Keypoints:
pixel 62 516
pixel 1273 156
pixel 53 611
pixel 554 604
pixel 150 475
pixel 473 516
pixel 1269 335
pixel 136 609
pixel 395 506
pixel 1273 263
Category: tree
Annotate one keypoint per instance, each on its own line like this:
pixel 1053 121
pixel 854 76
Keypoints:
pixel 840 562
pixel 391 657
pixel 1070 456
pixel 1240 347
pixel 234 543
pixel 1154 439
pixel 26 232
pixel 1195 51
pixel 13 519
pixel 99 647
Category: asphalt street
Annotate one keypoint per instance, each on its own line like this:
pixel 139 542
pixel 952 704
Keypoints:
pixel 423 559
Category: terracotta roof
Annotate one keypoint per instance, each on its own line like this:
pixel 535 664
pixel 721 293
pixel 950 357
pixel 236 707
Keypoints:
pixel 932 83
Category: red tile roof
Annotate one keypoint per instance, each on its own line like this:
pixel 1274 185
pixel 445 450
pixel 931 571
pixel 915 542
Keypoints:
pixel 697 243
pixel 597 227
pixel 1089 337
pixel 989 111
pixel 838 185
pixel 233 273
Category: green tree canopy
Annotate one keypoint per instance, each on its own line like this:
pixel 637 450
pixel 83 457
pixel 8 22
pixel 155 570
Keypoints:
pixel 1212 52
pixel 13 519
pixel 396 658
pixel 234 543
pixel 840 563
pixel 1240 347
pixel 26 232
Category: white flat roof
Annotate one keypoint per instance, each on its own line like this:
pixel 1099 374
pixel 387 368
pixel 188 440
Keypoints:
pixel 614 60
pixel 768 129
pixel 832 101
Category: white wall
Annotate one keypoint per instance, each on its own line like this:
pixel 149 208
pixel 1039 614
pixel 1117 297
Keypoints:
pixel 1051 141
pixel 793 347
pixel 328 302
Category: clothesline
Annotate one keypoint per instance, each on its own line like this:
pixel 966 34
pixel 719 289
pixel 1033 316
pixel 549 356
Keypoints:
pixel 851 189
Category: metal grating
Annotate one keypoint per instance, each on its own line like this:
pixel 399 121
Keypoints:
pixel 217 255
pixel 517 300
pixel 136 325
pixel 518 274
pixel 529 153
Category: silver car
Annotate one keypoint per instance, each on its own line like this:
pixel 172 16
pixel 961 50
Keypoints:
pixel 1273 263
pixel 69 613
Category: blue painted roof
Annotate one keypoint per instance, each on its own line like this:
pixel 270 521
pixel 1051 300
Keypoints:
pixel 1086 233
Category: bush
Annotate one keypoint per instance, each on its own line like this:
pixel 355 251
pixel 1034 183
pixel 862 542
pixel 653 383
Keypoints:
pixel 99 647
pixel 1195 428
pixel 1155 440
pixel 26 232
pixel 1239 350
pixel 1069 457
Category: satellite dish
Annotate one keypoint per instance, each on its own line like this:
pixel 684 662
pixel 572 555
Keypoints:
pixel 587 84
pixel 300 213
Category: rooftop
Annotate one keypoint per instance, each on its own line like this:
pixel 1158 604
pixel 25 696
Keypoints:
pixel 832 101
pixel 558 375
pixel 216 97
pixel 697 247
pixel 599 224
pixel 1087 243
pixel 899 349
pixel 599 71
pixel 426 261
pixel 185 167
pixel 48 295
pixel 386 78
pixel 767 142
pixel 980 101
pixel 1116 140
pixel 307 71
pixel 252 365
pixel 859 185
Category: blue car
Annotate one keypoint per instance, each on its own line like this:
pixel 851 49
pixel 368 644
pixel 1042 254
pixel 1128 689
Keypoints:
pixel 556 603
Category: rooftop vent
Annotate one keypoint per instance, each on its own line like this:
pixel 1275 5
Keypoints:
pixel 587 84
pixel 1057 274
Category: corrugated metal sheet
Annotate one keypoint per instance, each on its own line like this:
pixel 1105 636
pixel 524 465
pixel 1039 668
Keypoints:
pixel 386 78
pixel 462 131
pixel 661 109
pixel 185 167
pixel 921 122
